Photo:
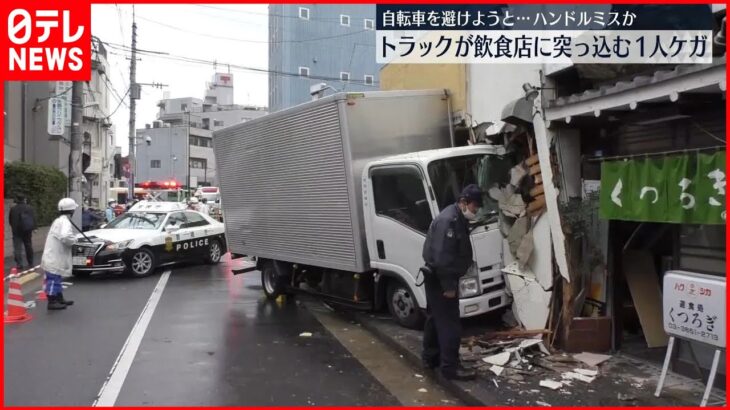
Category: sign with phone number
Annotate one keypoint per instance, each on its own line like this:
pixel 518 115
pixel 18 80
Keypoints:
pixel 694 307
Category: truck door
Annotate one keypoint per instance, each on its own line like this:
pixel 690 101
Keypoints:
pixel 400 216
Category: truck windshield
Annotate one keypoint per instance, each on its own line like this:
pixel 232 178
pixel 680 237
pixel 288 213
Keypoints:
pixel 450 175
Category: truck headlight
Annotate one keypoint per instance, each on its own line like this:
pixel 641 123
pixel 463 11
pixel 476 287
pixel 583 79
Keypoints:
pixel 469 287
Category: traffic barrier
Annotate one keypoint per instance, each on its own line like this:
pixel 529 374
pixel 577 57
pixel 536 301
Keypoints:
pixel 17 312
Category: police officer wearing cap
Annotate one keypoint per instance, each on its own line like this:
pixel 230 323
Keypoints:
pixel 448 255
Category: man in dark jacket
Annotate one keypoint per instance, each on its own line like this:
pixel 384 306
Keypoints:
pixel 448 255
pixel 22 223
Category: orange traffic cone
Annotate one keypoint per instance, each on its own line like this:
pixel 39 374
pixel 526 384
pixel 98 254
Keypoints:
pixel 42 293
pixel 16 313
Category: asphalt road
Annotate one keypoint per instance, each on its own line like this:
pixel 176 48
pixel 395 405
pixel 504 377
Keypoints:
pixel 197 335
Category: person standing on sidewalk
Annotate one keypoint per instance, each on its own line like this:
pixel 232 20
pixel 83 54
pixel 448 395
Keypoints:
pixel 109 213
pixel 56 262
pixel 22 222
pixel 448 255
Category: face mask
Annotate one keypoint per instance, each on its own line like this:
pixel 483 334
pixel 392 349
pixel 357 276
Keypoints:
pixel 469 215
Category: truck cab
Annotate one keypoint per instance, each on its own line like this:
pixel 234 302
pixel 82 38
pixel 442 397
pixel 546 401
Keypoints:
pixel 402 194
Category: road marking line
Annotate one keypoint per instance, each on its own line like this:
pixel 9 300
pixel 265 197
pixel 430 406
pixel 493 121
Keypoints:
pixel 109 392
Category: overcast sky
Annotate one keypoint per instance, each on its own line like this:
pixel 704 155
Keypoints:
pixel 192 31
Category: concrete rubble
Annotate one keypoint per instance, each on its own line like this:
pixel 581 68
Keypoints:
pixel 514 356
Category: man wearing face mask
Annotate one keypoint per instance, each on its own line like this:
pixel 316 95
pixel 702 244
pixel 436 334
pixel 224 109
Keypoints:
pixel 448 255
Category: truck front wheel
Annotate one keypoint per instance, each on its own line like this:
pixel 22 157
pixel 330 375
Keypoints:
pixel 403 306
pixel 272 281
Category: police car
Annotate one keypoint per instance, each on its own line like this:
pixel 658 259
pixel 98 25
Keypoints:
pixel 149 235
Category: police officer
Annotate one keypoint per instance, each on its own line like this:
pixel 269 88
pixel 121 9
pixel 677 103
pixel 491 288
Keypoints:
pixel 448 255
pixel 56 261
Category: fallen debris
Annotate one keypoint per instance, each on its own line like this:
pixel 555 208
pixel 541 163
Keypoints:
pixel 516 333
pixel 626 397
pixel 418 376
pixel 496 369
pixel 551 384
pixel 587 372
pixel 578 376
pixel 529 342
pixel 499 359
pixel 591 359
pixel 562 359
pixel 495 383
pixel 422 390
pixel 542 403
pixel 305 334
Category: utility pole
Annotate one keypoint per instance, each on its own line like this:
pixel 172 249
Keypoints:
pixel 75 172
pixel 133 96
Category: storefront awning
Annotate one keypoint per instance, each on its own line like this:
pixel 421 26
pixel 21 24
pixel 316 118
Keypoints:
pixel 663 85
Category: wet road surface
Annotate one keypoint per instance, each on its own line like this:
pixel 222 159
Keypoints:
pixel 212 339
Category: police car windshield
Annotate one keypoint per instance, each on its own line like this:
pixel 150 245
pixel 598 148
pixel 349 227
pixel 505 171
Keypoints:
pixel 450 175
pixel 137 220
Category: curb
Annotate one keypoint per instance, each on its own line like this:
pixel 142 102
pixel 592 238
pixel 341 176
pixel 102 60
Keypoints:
pixel 450 386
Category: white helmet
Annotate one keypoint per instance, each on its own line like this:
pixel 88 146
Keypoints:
pixel 112 201
pixel 67 204
pixel 194 200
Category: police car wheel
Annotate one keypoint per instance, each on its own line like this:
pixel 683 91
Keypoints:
pixel 141 263
pixel 214 252
pixel 403 306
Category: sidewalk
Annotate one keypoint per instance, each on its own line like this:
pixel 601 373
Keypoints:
pixel 621 380
pixel 9 262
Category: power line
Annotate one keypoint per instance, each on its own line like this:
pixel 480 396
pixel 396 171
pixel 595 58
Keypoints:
pixel 185 30
pixel 239 67
pixel 333 20
pixel 115 94
pixel 118 105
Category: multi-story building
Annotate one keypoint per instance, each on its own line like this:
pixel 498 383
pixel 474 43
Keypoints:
pixel 320 43
pixel 180 146
pixel 27 136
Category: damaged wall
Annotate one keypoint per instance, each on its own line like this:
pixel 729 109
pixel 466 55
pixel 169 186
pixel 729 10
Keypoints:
pixel 491 86
pixel 530 284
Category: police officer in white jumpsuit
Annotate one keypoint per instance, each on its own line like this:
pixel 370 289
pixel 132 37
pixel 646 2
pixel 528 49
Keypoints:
pixel 56 262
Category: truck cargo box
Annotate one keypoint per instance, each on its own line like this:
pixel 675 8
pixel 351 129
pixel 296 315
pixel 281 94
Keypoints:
pixel 291 181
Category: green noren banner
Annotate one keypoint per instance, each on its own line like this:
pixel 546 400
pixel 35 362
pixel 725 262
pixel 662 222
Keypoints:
pixel 686 188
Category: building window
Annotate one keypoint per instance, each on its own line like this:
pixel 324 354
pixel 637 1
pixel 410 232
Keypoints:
pixel 369 24
pixel 344 76
pixel 217 123
pixel 303 13
pixel 183 107
pixel 344 20
pixel 155 163
pixel 369 79
pixel 201 141
pixel 198 163
pixel 304 71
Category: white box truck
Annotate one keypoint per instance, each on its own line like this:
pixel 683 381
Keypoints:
pixel 334 198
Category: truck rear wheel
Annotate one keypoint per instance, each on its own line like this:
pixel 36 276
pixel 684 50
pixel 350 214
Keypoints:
pixel 273 282
pixel 403 306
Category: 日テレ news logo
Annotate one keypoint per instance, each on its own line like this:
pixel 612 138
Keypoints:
pixel 47 41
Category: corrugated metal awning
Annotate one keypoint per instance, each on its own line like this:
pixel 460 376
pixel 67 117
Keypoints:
pixel 663 85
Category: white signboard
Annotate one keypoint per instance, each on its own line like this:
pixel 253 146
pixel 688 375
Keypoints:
pixel 56 124
pixel 694 307
pixel 63 90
